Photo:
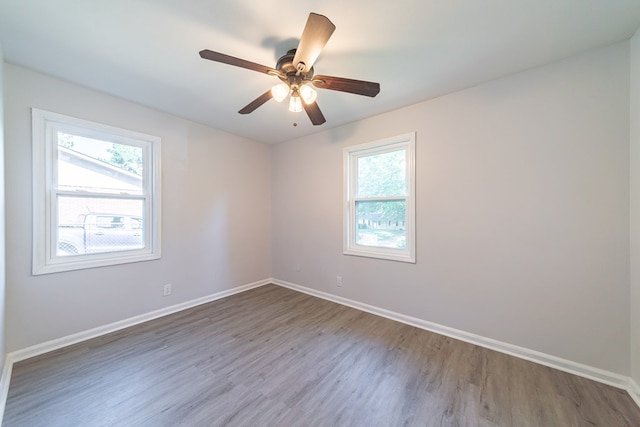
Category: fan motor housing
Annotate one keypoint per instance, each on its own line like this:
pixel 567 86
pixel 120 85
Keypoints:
pixel 286 66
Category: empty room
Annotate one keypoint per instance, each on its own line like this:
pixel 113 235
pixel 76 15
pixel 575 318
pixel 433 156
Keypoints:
pixel 242 213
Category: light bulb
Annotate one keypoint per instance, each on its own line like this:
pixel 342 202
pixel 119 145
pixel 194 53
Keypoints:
pixel 308 94
pixel 295 105
pixel 279 92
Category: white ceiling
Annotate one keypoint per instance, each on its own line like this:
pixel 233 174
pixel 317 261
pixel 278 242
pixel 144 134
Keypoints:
pixel 146 51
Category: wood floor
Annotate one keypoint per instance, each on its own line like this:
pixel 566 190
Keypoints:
pixel 275 357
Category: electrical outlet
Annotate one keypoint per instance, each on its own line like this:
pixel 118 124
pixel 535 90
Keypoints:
pixel 166 290
pixel 339 281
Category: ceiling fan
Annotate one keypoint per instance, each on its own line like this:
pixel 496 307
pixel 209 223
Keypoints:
pixel 295 70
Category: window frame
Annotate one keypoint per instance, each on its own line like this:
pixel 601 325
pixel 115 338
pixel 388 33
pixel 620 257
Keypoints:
pixel 45 125
pixel 350 156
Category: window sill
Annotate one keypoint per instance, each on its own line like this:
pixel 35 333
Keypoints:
pixel 88 261
pixel 400 256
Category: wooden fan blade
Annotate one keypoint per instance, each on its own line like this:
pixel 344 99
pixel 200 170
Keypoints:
pixel 231 60
pixel 315 35
pixel 314 113
pixel 359 87
pixel 256 103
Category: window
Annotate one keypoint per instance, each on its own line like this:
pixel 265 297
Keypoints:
pixel 379 199
pixel 96 194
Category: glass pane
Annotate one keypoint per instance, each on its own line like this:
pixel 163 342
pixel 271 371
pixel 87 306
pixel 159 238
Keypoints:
pixel 98 166
pixel 382 175
pixel 97 225
pixel 381 224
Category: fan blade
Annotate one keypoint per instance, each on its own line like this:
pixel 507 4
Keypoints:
pixel 359 87
pixel 315 35
pixel 314 113
pixel 256 103
pixel 231 60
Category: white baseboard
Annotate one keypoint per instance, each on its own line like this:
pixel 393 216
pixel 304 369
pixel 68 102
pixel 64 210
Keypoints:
pixel 590 372
pixel 55 344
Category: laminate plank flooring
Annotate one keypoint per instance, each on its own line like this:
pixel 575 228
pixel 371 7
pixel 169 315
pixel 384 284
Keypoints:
pixel 275 357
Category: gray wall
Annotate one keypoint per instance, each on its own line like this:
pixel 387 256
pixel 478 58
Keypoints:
pixel 635 208
pixel 2 217
pixel 216 217
pixel 522 211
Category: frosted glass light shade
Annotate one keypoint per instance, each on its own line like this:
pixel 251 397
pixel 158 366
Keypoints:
pixel 308 94
pixel 295 104
pixel 279 92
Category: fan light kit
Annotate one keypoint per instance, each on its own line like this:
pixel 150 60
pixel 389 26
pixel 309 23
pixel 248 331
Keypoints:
pixel 295 70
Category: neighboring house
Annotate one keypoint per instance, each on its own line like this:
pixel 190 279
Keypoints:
pixel 74 167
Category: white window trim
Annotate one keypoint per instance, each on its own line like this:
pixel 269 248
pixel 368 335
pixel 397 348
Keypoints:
pixel 45 260
pixel 350 156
